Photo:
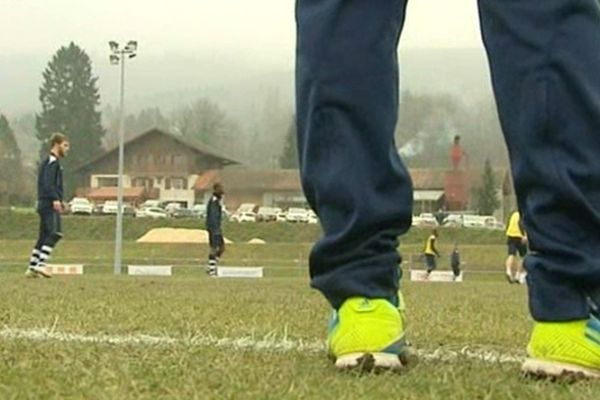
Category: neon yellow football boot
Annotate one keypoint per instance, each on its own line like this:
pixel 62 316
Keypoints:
pixel 368 335
pixel 564 350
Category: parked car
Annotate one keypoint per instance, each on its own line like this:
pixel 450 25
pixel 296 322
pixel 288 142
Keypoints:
pixel 312 217
pixel 183 213
pixel 152 203
pixel 453 221
pixel 297 215
pixel 248 216
pixel 199 210
pixel 111 207
pixel 170 208
pixel 490 222
pixel 476 221
pixel 267 214
pixel 245 207
pixel 424 220
pixel 281 216
pixel 81 206
pixel 151 212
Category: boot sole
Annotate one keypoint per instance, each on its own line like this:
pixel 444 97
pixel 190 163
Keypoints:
pixel 371 362
pixel 43 272
pixel 536 368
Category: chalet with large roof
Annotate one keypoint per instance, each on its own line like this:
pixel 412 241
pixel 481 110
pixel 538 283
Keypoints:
pixel 157 165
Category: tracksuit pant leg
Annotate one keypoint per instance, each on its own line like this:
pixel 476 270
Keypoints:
pixel 545 63
pixel 352 176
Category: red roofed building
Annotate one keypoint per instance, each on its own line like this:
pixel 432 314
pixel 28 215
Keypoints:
pixel 157 165
pixel 169 168
pixel 133 196
pixel 261 187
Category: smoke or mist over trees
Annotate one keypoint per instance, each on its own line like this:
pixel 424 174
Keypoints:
pixel 259 144
pixel 23 126
pixel 11 172
pixel 205 122
pixel 428 123
pixel 268 130
pixel 69 98
pixel 289 156
pixel 8 144
pixel 244 110
pixel 134 124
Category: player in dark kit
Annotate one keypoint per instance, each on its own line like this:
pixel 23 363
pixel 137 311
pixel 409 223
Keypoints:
pixel 49 206
pixel 455 261
pixel 214 212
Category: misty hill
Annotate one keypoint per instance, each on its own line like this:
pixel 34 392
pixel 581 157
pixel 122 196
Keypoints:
pixel 238 85
pixel 460 72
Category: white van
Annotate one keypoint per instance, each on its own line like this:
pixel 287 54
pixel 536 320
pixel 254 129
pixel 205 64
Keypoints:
pixel 480 221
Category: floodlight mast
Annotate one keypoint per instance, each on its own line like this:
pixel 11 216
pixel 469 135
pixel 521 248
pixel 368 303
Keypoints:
pixel 118 56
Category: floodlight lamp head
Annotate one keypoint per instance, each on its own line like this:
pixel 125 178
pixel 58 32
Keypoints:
pixel 114 46
pixel 114 59
pixel 132 45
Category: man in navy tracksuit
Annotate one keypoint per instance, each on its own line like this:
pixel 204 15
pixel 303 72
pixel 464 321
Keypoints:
pixel 49 206
pixel 214 212
pixel 545 61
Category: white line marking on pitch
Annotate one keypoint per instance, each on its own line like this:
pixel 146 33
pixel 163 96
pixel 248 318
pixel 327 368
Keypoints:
pixel 271 342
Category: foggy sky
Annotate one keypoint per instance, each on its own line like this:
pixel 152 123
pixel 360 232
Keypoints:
pixel 263 28
pixel 193 45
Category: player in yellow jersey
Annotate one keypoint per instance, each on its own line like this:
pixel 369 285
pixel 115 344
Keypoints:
pixel 516 240
pixel 431 252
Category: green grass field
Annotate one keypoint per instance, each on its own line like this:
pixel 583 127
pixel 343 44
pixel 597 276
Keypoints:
pixel 99 336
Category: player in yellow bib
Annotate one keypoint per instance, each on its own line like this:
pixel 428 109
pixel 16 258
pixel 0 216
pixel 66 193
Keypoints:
pixel 431 252
pixel 516 240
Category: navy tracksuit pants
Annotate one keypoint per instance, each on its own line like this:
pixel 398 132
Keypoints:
pixel 50 233
pixel 544 57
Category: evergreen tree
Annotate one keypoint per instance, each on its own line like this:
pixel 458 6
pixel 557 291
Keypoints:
pixel 486 197
pixel 8 144
pixel 10 163
pixel 289 157
pixel 69 97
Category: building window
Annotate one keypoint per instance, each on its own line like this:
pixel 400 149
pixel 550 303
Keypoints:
pixel 108 182
pixel 179 160
pixel 159 159
pixel 176 184
pixel 142 182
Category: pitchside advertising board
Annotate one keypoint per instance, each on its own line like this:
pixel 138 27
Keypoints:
pixel 150 270
pixel 64 269
pixel 240 272
pixel 417 275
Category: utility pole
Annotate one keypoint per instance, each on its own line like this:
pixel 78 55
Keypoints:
pixel 118 56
